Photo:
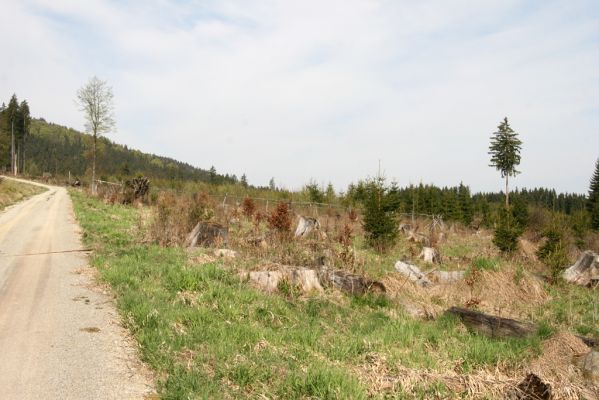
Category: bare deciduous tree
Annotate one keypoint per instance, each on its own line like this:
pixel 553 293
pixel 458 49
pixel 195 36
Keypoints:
pixel 95 99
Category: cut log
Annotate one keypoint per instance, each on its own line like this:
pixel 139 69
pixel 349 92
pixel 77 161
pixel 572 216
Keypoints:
pixel 305 278
pixel 207 234
pixel 306 225
pixel 413 273
pixel 349 283
pixel 430 255
pixel 266 280
pixel 493 326
pixel 531 388
pixel 586 270
pixel 447 276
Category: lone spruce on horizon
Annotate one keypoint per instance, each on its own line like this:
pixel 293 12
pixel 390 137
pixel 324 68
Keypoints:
pixel 505 153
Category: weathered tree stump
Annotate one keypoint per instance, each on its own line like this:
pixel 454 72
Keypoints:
pixel 306 225
pixel 585 272
pixel 207 234
pixel 496 327
pixel 349 283
pixel 430 255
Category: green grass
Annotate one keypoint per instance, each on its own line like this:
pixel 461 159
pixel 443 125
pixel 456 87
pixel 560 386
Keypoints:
pixel 208 334
pixel 575 308
pixel 12 192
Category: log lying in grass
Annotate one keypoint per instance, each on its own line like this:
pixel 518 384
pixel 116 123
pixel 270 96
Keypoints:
pixel 447 276
pixel 490 325
pixel 308 279
pixel 207 234
pixel 585 272
pixel 413 273
pixel 349 283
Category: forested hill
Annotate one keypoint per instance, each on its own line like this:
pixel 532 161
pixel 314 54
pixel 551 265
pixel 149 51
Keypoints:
pixel 58 150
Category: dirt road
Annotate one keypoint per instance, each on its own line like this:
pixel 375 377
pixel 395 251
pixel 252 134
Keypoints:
pixel 59 335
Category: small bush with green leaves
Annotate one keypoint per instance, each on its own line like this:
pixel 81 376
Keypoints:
pixel 554 252
pixel 507 232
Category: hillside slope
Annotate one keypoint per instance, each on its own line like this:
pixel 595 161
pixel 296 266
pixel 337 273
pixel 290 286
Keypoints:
pixel 58 150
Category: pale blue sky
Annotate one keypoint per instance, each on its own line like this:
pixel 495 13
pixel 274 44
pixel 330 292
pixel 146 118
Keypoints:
pixel 323 90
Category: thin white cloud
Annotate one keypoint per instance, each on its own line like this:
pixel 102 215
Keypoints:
pixel 323 90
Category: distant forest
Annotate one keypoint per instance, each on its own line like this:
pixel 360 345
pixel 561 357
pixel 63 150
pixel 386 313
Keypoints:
pixel 48 148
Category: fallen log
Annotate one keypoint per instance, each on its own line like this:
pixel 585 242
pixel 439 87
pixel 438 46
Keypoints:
pixel 585 272
pixel 348 282
pixel 447 276
pixel 308 279
pixel 496 327
pixel 413 273
pixel 207 234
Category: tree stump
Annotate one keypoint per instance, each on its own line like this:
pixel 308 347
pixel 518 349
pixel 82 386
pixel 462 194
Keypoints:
pixel 496 327
pixel 349 283
pixel 585 272
pixel 207 234
pixel 306 225
pixel 430 255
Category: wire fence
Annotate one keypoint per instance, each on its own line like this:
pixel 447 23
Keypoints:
pixel 229 203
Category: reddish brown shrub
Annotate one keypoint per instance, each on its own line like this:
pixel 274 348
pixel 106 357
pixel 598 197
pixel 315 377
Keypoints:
pixel 249 207
pixel 280 219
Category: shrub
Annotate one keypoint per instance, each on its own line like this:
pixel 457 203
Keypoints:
pixel 280 220
pixel 379 215
pixel 249 207
pixel 507 232
pixel 554 252
pixel 176 216
pixel 520 211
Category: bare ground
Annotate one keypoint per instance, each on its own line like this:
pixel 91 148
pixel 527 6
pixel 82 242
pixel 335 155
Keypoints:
pixel 60 336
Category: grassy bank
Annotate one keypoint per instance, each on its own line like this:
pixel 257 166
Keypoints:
pixel 208 333
pixel 12 192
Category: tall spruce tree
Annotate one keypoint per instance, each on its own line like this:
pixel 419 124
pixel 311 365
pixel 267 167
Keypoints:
pixel 593 199
pixel 505 153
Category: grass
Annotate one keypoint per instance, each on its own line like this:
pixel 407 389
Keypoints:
pixel 12 192
pixel 209 334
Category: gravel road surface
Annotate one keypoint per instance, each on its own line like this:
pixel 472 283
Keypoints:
pixel 59 332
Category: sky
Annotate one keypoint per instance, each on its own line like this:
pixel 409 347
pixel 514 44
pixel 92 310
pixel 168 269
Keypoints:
pixel 324 90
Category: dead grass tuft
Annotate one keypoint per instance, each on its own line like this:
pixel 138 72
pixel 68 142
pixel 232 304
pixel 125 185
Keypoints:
pixel 496 292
